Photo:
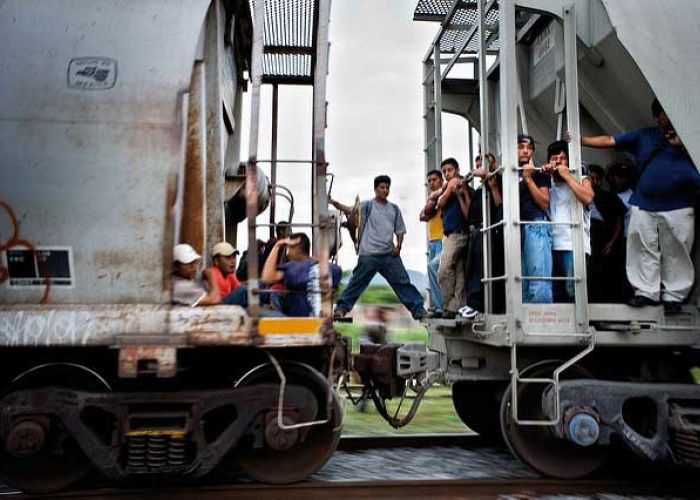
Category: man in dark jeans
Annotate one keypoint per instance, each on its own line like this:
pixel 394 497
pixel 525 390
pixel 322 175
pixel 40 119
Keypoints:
pixel 475 250
pixel 380 220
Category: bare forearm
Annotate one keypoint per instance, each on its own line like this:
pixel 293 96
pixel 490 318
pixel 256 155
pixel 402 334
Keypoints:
pixel 540 196
pixel 598 141
pixel 582 191
pixel 269 272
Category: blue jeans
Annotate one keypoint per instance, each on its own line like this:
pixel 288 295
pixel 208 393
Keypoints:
pixel 434 252
pixel 537 261
pixel 239 297
pixel 392 269
pixel 564 291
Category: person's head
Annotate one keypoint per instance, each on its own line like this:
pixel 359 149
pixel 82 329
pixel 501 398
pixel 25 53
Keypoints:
pixel 558 152
pixel 186 261
pixel 660 117
pixel 526 148
pixel 300 246
pixel 597 175
pixel 450 168
pixel 382 184
pixel 434 180
pixel 223 256
pixel 283 229
pixel 621 174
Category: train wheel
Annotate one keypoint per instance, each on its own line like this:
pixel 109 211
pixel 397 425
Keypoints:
pixel 292 455
pixel 536 445
pixel 38 454
pixel 478 405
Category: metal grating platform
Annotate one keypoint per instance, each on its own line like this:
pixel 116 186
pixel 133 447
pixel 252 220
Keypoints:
pixel 290 41
pixel 462 22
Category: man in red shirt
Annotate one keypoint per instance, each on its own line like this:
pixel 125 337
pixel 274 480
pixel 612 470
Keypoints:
pixel 223 256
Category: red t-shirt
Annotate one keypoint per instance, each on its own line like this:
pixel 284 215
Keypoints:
pixel 226 284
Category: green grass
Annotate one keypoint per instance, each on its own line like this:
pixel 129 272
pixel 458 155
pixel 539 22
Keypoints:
pixel 435 413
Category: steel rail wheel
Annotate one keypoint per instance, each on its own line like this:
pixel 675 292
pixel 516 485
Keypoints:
pixel 478 405
pixel 536 445
pixel 38 455
pixel 288 456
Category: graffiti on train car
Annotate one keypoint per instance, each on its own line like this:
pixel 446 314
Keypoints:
pixel 47 328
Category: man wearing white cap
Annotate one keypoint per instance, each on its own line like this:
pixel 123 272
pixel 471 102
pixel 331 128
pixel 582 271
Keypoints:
pixel 223 256
pixel 187 289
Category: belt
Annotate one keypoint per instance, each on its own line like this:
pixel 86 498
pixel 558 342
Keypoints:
pixel 464 230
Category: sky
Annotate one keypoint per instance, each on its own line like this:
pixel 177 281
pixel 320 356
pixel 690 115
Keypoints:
pixel 375 121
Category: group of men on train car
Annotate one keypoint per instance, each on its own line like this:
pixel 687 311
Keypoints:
pixel 637 238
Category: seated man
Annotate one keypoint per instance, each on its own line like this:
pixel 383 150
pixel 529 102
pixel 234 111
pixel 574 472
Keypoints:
pixel 565 188
pixel 187 289
pixel 223 256
pixel 300 275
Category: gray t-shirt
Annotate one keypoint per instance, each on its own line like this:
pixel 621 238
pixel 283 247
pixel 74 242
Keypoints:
pixel 384 221
pixel 187 292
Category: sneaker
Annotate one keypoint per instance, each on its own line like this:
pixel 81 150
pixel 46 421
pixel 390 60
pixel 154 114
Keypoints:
pixel 641 301
pixel 339 313
pixel 469 313
pixel 435 314
pixel 421 316
pixel 672 307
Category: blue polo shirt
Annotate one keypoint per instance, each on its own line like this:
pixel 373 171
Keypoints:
pixel 668 179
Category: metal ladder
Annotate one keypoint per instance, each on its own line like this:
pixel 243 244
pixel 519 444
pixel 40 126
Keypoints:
pixel 321 222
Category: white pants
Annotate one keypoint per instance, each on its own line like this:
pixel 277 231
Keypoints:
pixel 658 253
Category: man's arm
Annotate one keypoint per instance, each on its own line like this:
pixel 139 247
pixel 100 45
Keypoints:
pixel 270 274
pixel 343 208
pixel 617 231
pixel 399 242
pixel 464 198
pixel 429 210
pixel 583 191
pixel 213 296
pixel 447 192
pixel 598 141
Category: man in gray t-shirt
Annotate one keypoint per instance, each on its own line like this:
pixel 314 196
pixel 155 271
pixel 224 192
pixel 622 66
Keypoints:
pixel 380 220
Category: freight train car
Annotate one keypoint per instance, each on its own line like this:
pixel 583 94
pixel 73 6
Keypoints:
pixel 561 382
pixel 120 133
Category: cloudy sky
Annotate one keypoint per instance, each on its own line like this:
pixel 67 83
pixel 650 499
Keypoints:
pixel 374 117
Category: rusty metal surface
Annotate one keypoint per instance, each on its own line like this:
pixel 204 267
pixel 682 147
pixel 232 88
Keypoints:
pixel 107 324
pixel 87 159
pixel 162 360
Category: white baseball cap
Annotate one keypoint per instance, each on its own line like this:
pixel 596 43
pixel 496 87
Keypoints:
pixel 223 248
pixel 185 254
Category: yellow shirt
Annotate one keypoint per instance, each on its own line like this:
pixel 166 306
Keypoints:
pixel 435 227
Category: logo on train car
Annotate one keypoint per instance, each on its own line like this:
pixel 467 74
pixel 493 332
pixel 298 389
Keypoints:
pixel 28 269
pixel 92 73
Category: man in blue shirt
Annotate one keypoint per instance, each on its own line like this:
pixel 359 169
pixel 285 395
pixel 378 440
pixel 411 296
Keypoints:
pixel 662 216
pixel 380 220
pixel 453 200
pixel 300 275
pixel 536 238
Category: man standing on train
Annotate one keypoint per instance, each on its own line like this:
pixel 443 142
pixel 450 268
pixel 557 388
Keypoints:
pixel 433 216
pixel 662 218
pixel 536 238
pixel 380 220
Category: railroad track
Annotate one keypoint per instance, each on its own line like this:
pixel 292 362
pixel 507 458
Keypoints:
pixel 444 489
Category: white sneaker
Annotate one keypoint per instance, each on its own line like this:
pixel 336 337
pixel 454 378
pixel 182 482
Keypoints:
pixel 469 313
pixel 463 309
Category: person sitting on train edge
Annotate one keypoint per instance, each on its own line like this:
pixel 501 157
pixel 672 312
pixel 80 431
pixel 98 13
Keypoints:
pixel 453 199
pixel 433 216
pixel 607 225
pixel 565 187
pixel 300 275
pixel 475 252
pixel 187 289
pixel 662 219
pixel 380 220
pixel 536 238
pixel 223 258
